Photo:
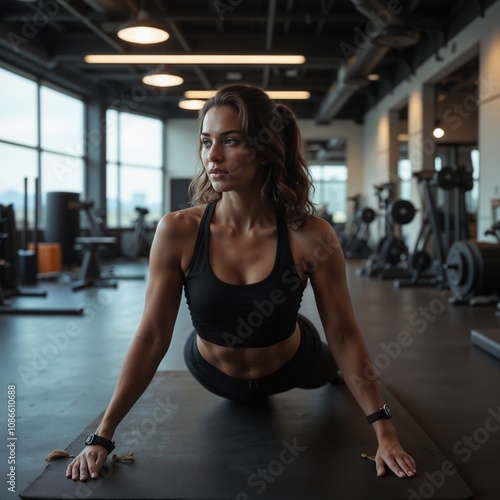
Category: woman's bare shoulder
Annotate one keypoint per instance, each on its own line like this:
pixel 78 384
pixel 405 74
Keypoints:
pixel 181 224
pixel 314 228
pixel 313 243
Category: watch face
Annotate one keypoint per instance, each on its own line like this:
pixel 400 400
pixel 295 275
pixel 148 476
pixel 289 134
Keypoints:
pixel 89 439
pixel 387 410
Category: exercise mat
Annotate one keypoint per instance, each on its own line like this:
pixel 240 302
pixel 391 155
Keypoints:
pixel 303 444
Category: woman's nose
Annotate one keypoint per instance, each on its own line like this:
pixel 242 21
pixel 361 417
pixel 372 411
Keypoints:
pixel 215 154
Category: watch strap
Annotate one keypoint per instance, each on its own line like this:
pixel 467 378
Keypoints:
pixel 101 441
pixel 383 412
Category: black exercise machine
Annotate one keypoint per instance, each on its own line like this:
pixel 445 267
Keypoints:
pixel 440 229
pixel 346 233
pixel 489 338
pixel 356 245
pixel 95 219
pixel 473 268
pixel 141 238
pixel 389 259
pixel 92 246
pixel 90 274
pixel 9 269
pixel 420 260
pixel 63 210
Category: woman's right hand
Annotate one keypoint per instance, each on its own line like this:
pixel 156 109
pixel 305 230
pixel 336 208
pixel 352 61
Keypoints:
pixel 88 463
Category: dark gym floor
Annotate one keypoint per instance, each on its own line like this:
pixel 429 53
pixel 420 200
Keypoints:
pixel 65 368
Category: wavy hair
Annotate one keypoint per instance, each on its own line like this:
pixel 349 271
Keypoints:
pixel 271 129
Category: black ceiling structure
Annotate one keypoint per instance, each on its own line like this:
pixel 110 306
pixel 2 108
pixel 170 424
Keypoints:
pixel 343 41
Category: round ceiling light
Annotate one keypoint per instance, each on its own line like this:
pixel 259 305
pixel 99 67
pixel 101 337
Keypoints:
pixel 438 133
pixel 191 104
pixel 162 80
pixel 143 30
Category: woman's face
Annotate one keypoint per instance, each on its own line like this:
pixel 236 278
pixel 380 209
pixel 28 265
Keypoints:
pixel 231 165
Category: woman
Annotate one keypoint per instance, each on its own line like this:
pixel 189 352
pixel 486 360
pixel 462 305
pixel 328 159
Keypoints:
pixel 244 254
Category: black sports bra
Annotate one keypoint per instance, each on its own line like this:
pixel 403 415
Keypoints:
pixel 255 315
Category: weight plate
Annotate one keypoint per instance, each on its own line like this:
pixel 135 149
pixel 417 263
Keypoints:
pixel 462 269
pixel 402 211
pixel 473 268
pixel 367 215
pixel 464 179
pixel 468 185
pixel 446 178
pixel 489 269
pixel 395 250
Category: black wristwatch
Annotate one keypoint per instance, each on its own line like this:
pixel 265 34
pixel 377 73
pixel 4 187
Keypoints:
pixel 95 439
pixel 384 412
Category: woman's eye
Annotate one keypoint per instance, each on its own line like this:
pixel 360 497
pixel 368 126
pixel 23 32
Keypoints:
pixel 230 141
pixel 205 143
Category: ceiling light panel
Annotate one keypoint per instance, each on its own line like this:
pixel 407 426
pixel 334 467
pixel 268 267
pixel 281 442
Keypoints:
pixel 257 59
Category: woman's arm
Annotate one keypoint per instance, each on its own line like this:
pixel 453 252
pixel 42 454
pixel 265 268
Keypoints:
pixel 328 279
pixel 149 345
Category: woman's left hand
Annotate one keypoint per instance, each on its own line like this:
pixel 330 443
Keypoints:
pixel 391 453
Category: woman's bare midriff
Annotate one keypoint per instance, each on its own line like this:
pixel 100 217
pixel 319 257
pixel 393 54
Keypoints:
pixel 250 363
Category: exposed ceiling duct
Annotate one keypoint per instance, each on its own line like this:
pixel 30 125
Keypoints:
pixel 365 38
pixel 385 29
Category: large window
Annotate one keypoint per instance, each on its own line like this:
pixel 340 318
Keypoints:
pixel 134 174
pixel 330 190
pixel 41 135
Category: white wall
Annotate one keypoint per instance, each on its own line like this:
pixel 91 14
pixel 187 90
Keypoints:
pixel 182 146
pixel 181 152
pixel 353 134
pixel 489 118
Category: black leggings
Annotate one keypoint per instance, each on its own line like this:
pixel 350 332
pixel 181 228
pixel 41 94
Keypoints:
pixel 311 366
